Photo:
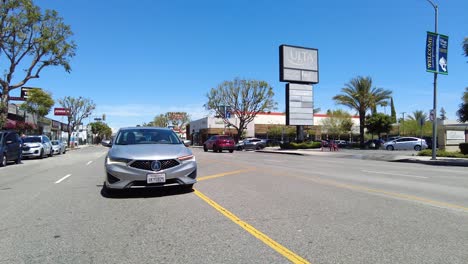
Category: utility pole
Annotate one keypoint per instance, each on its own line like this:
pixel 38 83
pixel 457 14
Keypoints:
pixel 434 123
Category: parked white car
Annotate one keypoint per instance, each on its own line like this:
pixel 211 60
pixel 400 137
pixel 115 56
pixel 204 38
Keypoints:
pixel 37 146
pixel 406 143
pixel 58 147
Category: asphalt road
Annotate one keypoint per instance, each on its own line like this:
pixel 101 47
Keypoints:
pixel 246 208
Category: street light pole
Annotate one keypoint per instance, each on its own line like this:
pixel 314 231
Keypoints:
pixel 403 123
pixel 434 123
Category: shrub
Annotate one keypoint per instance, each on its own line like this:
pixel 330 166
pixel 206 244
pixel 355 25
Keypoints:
pixel 302 145
pixel 464 148
pixel 442 153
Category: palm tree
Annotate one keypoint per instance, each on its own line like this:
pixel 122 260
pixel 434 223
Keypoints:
pixel 359 94
pixel 418 115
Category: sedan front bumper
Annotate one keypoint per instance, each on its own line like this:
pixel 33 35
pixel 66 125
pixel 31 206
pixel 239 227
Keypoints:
pixel 123 176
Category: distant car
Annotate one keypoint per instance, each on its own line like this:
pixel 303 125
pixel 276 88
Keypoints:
pixel 251 143
pixel 406 143
pixel 106 142
pixel 147 157
pixel 374 143
pixel 37 146
pixel 58 147
pixel 218 143
pixel 10 147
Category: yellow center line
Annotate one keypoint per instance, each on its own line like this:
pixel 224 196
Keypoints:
pixel 223 174
pixel 294 258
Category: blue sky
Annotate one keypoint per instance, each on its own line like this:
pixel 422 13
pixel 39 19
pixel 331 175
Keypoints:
pixel 137 59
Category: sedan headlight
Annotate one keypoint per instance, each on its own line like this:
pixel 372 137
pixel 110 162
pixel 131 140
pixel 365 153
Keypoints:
pixel 114 160
pixel 187 157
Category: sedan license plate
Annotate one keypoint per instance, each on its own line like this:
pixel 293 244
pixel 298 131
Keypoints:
pixel 156 178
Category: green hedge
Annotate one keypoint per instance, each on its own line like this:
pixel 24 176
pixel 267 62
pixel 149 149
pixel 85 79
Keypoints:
pixel 464 148
pixel 303 145
pixel 443 153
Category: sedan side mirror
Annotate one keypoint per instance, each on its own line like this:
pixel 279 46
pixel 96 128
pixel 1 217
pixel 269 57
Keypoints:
pixel 187 143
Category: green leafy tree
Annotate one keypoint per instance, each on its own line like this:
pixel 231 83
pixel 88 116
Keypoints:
pixel 337 123
pixel 443 114
pixel 30 40
pixel 359 95
pixel 101 130
pixel 245 99
pixel 80 108
pixel 160 121
pixel 379 123
pixel 462 112
pixel 393 111
pixel 38 103
pixel 178 119
pixel 465 47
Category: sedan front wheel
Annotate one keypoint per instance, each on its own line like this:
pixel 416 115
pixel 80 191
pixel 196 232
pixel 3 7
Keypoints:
pixel 390 148
pixel 417 148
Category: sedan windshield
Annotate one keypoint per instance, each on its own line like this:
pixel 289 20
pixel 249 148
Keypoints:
pixel 32 140
pixel 146 136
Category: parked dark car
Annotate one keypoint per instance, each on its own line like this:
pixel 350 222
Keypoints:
pixel 374 143
pixel 429 142
pixel 218 143
pixel 10 147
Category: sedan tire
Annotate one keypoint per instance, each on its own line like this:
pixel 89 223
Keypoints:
pixel 3 162
pixel 205 148
pixel 390 148
pixel 417 148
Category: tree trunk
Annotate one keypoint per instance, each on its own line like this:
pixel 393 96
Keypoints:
pixel 69 136
pixel 4 107
pixel 362 120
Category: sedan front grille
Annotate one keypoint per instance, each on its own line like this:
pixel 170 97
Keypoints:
pixel 146 164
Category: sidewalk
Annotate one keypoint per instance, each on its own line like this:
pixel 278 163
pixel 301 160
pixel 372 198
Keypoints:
pixel 382 155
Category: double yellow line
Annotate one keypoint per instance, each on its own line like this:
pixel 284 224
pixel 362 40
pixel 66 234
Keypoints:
pixel 294 258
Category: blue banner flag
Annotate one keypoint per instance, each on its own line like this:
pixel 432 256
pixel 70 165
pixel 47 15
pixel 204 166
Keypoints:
pixel 443 50
pixel 431 39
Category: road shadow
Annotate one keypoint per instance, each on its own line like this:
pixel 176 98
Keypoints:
pixel 145 193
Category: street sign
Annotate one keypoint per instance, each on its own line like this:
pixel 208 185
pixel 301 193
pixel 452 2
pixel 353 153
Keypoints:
pixel 62 111
pixel 431 115
pixel 298 64
pixel 25 90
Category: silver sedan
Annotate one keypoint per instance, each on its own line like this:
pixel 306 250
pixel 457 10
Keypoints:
pixel 146 157
pixel 408 143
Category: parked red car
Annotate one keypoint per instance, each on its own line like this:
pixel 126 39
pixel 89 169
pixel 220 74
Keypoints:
pixel 218 143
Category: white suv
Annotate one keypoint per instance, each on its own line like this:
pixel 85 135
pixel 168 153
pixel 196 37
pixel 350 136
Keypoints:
pixel 37 146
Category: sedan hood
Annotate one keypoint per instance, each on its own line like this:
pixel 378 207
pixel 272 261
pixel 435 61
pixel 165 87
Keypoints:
pixel 32 144
pixel 149 151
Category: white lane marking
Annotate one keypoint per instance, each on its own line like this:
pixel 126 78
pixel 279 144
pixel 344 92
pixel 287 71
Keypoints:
pixel 395 174
pixel 89 162
pixel 59 181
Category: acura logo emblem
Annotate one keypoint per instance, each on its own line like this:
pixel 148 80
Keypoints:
pixel 156 165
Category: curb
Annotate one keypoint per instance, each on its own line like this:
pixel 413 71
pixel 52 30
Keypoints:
pixel 284 152
pixel 435 162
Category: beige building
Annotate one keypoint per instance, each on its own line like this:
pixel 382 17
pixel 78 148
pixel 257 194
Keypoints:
pixel 199 130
